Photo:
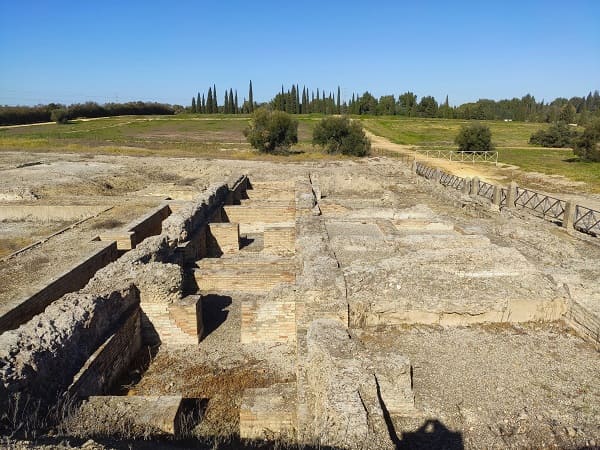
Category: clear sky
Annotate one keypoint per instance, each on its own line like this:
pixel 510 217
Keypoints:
pixel 73 51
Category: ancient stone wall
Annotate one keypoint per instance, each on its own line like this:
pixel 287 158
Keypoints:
pixel 21 310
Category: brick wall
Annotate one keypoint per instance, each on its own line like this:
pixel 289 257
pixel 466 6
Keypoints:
pixel 109 361
pixel 268 320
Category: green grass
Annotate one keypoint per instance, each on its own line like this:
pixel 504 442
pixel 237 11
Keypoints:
pixel 441 132
pixel 182 135
pixel 510 138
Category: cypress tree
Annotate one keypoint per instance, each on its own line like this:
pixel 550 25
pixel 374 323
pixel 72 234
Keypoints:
pixel 193 104
pixel 226 103
pixel 293 106
pixel 203 110
pixel 231 106
pixel 298 109
pixel 198 103
pixel 339 107
pixel 215 101
pixel 251 97
pixel 237 108
pixel 209 102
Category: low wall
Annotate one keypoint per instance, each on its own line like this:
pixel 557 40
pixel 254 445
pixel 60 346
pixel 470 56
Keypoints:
pixel 113 358
pixel 40 358
pixel 130 416
pixel 22 310
pixel 260 214
pixel 141 228
pixel 269 412
pixel 47 213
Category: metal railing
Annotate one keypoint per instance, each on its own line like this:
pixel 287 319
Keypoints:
pixel 587 220
pixel 453 181
pixel 543 204
pixel 486 190
pixel 454 155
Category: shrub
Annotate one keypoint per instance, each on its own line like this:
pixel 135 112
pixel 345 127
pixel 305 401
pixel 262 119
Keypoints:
pixel 474 138
pixel 340 135
pixel 557 135
pixel 271 130
pixel 587 146
pixel 59 116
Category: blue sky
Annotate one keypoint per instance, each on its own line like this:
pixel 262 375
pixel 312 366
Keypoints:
pixel 166 51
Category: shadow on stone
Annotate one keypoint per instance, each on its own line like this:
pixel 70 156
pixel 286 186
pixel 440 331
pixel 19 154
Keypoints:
pixel 214 311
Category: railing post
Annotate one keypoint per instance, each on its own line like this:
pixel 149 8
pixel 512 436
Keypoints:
pixel 467 186
pixel 497 198
pixel 511 195
pixel 569 215
pixel 475 186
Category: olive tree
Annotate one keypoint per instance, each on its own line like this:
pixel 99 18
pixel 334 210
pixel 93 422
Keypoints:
pixel 270 131
pixel 340 135
pixel 587 146
pixel 474 138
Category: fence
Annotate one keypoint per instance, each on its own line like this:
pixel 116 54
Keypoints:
pixel 453 155
pixel 579 217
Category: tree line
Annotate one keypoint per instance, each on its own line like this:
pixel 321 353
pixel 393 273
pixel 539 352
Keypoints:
pixel 17 115
pixel 306 101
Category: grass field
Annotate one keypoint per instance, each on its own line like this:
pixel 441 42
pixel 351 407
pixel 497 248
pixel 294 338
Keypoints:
pixel 182 135
pixel 222 137
pixel 510 138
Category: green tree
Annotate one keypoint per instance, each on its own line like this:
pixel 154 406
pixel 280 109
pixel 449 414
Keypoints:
pixel 387 105
pixel 340 135
pixel 215 101
pixel 557 135
pixel 407 103
pixel 231 106
pixel 209 102
pixel 428 107
pixel 587 146
pixel 60 116
pixel 270 131
pixel 226 103
pixel 338 104
pixel 198 103
pixel 251 98
pixel 475 137
pixel 193 108
pixel 236 104
pixel 203 110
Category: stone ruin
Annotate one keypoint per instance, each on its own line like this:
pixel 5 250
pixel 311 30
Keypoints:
pixel 315 262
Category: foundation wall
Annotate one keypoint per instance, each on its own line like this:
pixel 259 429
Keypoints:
pixel 47 213
pixel 268 412
pixel 148 225
pixel 72 280
pixel 260 214
pixel 171 324
pixel 59 342
pixel 110 361
pixel 257 281
pixel 224 238
pixel 268 320
pixel 280 240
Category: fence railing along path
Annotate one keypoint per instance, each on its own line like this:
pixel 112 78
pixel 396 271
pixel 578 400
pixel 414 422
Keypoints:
pixel 458 156
pixel 570 215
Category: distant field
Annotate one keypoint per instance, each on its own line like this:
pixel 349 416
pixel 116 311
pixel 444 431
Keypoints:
pixel 511 140
pixel 182 135
pixel 441 132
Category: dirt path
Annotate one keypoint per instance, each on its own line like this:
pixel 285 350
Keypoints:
pixel 554 185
